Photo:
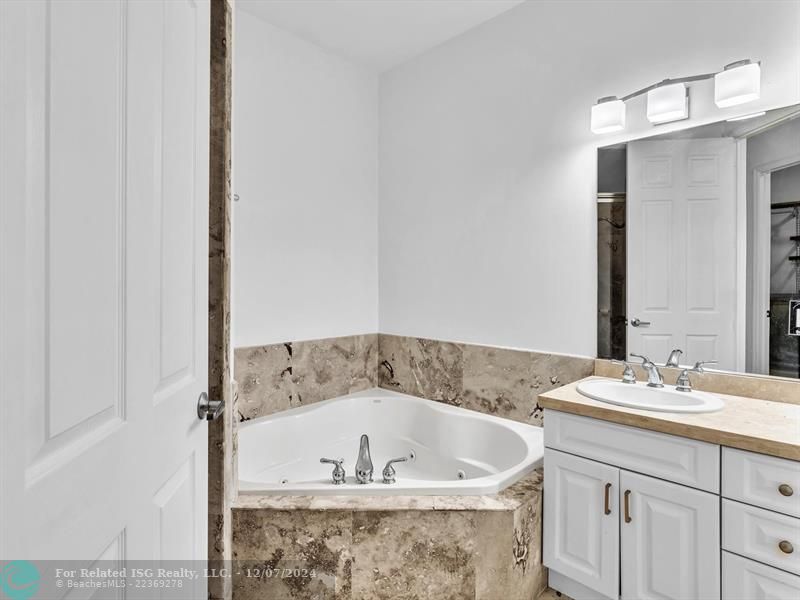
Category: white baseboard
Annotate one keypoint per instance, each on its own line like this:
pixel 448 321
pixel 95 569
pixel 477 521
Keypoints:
pixel 573 589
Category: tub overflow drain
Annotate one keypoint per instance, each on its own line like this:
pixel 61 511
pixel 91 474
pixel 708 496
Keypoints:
pixel 461 474
pixel 284 481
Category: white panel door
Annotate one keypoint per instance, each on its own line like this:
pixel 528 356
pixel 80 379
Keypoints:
pixel 581 510
pixel 670 540
pixel 103 231
pixel 681 227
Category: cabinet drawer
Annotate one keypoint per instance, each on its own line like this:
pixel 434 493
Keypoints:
pixel 669 457
pixel 765 481
pixel 744 579
pixel 762 535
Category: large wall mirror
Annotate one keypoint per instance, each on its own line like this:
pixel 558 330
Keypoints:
pixel 699 245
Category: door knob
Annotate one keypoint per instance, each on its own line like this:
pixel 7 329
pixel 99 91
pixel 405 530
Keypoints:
pixel 637 322
pixel 209 410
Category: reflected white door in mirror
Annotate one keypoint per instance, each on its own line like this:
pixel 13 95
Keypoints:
pixel 682 239
pixel 635 514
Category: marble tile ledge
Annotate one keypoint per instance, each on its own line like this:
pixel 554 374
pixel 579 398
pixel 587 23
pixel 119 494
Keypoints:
pixel 510 498
pixel 762 426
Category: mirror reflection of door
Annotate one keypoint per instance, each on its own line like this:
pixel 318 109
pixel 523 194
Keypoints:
pixel 682 259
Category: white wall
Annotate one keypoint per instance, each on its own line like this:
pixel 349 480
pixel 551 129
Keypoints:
pixel 488 168
pixel 305 169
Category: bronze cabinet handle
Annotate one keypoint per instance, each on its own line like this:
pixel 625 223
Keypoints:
pixel 607 508
pixel 786 547
pixel 785 489
pixel 627 506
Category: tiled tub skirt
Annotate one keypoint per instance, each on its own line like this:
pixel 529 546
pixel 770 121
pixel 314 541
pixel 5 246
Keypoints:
pixel 390 547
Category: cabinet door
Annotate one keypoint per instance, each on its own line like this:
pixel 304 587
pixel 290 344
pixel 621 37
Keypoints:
pixel 581 521
pixel 670 540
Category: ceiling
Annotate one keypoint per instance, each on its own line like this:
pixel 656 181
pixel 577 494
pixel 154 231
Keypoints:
pixel 377 34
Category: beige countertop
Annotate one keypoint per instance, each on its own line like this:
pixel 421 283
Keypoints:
pixel 761 426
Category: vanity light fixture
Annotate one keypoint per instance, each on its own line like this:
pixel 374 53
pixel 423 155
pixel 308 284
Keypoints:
pixel 668 100
pixel 608 115
pixel 667 103
pixel 737 83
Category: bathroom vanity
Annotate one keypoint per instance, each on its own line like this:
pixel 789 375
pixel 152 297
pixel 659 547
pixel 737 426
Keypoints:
pixel 640 504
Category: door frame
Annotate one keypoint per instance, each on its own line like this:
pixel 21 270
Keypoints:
pixel 740 187
pixel 762 235
pixel 222 480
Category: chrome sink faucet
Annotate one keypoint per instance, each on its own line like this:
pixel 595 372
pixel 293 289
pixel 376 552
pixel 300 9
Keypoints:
pixel 364 463
pixel 684 384
pixel 654 378
pixel 674 358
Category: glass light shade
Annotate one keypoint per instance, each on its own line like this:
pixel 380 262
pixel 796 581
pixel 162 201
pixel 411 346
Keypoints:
pixel 608 116
pixel 667 103
pixel 737 85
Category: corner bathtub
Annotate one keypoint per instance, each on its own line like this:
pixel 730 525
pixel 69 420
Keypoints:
pixel 454 451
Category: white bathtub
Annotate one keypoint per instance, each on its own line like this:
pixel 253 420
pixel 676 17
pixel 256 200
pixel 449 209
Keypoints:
pixel 455 451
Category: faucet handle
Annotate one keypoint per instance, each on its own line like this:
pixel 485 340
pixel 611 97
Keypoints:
pixel 683 384
pixel 388 470
pixel 628 375
pixel 698 366
pixel 338 474
pixel 645 360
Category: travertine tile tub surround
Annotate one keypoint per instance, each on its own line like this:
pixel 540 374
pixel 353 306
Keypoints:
pixel 498 381
pixel 281 376
pixel 385 548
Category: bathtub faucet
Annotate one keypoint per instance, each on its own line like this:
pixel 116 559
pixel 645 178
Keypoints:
pixel 388 470
pixel 364 462
pixel 338 476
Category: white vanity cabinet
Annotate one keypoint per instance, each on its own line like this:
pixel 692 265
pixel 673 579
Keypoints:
pixel 631 514
pixel 626 535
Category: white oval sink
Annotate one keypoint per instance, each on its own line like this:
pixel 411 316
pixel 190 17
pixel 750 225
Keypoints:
pixel 638 395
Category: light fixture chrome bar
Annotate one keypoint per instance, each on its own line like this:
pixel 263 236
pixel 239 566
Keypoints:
pixel 688 79
pixel 668 82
